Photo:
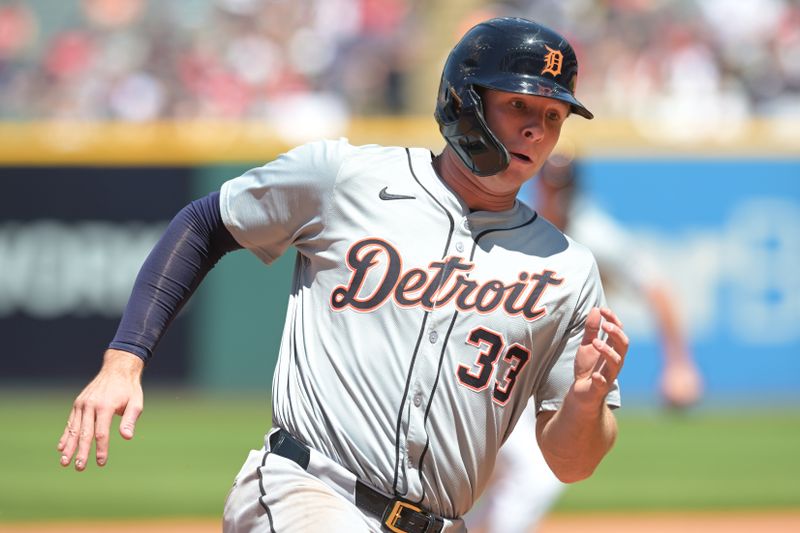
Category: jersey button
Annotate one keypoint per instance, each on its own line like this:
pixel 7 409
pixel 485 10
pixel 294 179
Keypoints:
pixel 433 337
pixel 459 247
pixel 466 224
pixel 417 400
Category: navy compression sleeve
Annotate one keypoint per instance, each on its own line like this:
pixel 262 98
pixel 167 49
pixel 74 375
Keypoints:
pixel 192 244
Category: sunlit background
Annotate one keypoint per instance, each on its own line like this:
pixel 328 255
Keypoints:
pixel 116 113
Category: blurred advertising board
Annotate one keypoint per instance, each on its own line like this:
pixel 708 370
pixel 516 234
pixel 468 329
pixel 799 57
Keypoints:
pixel 71 242
pixel 725 233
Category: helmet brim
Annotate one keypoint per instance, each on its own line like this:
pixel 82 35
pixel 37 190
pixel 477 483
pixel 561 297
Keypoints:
pixel 537 86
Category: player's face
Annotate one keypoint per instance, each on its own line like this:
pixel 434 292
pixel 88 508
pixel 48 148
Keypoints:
pixel 528 126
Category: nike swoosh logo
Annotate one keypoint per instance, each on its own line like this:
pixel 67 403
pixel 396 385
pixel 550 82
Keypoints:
pixel 383 195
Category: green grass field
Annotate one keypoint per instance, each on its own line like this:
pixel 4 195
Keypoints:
pixel 188 448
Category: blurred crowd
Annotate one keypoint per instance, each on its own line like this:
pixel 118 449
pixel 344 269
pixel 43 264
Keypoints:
pixel 140 60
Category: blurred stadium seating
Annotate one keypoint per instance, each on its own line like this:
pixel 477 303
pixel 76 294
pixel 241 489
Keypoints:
pixel 135 60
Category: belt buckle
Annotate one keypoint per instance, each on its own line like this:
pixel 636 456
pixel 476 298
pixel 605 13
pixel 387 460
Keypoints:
pixel 394 515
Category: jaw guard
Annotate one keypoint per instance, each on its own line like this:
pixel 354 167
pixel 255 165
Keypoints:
pixel 469 136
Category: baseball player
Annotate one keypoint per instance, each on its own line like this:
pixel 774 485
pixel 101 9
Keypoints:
pixel 428 305
pixel 524 477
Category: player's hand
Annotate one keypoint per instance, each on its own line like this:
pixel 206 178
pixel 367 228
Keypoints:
pixel 681 384
pixel 598 362
pixel 116 389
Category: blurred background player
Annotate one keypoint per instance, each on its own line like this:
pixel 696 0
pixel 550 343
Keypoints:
pixel 523 488
pixel 558 198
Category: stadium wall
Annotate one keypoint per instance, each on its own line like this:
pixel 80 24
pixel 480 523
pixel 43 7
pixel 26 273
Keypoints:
pixel 83 202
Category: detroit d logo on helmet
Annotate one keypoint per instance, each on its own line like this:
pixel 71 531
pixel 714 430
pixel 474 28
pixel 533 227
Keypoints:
pixel 552 61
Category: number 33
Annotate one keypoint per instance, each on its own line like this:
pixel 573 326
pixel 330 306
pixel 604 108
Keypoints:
pixel 477 377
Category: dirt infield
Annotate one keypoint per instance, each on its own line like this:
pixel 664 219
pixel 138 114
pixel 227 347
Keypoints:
pixel 700 522
pixel 683 522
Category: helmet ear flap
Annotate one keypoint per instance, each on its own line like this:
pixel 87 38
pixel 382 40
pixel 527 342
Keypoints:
pixel 469 135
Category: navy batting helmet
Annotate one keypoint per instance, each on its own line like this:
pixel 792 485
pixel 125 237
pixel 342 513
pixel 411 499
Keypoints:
pixel 507 54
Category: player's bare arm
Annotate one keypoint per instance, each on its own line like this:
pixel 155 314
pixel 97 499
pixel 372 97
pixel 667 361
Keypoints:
pixel 190 247
pixel 681 384
pixel 575 438
pixel 116 390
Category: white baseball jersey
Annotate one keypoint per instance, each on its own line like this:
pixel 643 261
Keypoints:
pixel 416 330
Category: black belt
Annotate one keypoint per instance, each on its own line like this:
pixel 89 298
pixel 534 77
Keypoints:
pixel 397 515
